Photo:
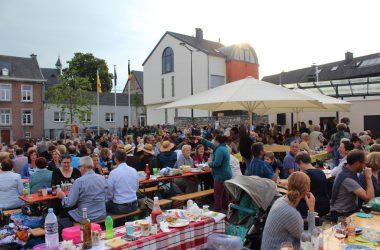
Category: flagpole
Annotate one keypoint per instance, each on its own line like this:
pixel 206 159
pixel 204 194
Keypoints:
pixel 129 96
pixel 115 79
pixel 97 97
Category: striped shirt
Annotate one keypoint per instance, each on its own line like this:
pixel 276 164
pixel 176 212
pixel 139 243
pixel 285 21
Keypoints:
pixel 284 224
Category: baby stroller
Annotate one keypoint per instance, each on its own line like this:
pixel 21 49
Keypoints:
pixel 252 197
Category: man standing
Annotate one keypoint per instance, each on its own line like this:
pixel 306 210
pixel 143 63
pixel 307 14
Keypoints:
pixel 289 161
pixel 316 138
pixel 258 166
pixel 88 191
pixel 346 188
pixel 123 183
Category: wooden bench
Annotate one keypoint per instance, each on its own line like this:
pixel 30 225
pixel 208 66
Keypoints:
pixel 8 213
pixel 179 200
pixel 148 189
pixel 37 232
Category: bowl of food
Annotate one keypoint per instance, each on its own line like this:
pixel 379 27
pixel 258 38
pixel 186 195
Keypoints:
pixel 186 168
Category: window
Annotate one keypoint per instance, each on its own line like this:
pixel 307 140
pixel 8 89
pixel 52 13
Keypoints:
pixel 27 118
pixel 26 93
pixel 176 112
pixel 162 88
pixel 28 135
pixel 173 92
pixel 86 117
pixel 167 61
pixel 59 117
pixel 5 92
pixel 334 68
pixel 216 81
pixel 110 117
pixel 166 116
pixel 5 117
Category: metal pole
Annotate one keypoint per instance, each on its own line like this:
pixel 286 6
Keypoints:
pixel 192 90
pixel 97 101
pixel 114 77
pixel 129 100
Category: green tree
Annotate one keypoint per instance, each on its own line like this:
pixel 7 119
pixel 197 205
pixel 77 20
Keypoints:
pixel 71 95
pixel 86 65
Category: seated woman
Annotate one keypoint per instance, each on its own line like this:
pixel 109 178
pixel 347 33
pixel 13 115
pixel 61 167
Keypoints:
pixel 187 184
pixel 318 186
pixel 167 157
pixel 199 158
pixel 10 186
pixel 66 173
pixel 97 168
pixel 373 162
pixel 284 222
pixel 147 158
pixel 30 167
pixel 55 161
pixel 41 177
pixel 304 144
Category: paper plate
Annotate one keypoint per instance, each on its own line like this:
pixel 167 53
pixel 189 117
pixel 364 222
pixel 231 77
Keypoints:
pixel 179 223
pixel 373 236
pixel 353 247
pixel 195 170
pixel 363 215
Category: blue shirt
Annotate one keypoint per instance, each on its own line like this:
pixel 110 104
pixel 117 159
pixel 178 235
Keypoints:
pixel 289 164
pixel 10 189
pixel 27 171
pixel 74 161
pixel 259 168
pixel 88 191
pixel 123 183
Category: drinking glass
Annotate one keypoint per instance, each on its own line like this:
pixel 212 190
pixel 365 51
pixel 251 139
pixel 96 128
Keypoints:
pixel 155 171
pixel 286 246
pixel 341 231
pixel 367 208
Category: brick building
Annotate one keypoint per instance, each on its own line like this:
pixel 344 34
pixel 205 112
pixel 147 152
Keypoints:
pixel 21 98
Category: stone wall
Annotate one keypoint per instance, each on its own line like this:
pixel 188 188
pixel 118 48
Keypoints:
pixel 182 122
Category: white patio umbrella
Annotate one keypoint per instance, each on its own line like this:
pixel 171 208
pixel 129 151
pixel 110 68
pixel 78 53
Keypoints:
pixel 330 104
pixel 247 94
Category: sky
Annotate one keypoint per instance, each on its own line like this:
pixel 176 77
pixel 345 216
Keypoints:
pixel 286 35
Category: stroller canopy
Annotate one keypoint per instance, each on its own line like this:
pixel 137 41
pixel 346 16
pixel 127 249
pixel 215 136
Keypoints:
pixel 261 190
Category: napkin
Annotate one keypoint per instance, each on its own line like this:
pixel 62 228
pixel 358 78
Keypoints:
pixel 215 215
pixel 164 226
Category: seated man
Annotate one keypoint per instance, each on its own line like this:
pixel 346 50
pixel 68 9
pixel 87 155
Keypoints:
pixel 123 183
pixel 88 191
pixel 258 166
pixel 346 188
pixel 344 148
pixel 289 161
pixel 318 186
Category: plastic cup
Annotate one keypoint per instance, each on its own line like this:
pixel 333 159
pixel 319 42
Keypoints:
pixel 129 227
pixel 155 171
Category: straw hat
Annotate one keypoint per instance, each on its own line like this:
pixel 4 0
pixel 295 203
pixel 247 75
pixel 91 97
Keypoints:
pixel 166 146
pixel 148 148
pixel 128 148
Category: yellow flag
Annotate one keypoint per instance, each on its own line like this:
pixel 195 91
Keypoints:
pixel 98 82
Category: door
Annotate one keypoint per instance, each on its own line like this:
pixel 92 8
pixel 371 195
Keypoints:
pixel 6 136
pixel 371 122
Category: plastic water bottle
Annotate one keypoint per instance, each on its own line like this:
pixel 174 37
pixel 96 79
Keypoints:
pixel 51 231
pixel 109 228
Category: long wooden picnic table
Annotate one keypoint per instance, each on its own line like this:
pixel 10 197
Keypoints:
pixel 166 178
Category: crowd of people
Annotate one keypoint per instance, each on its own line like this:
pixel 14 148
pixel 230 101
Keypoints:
pixel 103 170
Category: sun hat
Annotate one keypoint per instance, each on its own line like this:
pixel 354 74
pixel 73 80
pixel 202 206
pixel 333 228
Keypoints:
pixel 166 146
pixel 148 148
pixel 128 148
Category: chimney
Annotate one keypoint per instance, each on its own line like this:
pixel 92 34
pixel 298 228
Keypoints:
pixel 199 33
pixel 33 56
pixel 348 57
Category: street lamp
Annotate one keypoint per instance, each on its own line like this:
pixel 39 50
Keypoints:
pixel 191 69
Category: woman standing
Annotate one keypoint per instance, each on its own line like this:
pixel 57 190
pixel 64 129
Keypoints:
pixel 56 160
pixel 284 222
pixel 221 170
pixel 30 167
pixel 66 173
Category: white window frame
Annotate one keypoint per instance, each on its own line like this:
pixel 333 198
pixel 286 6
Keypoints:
pixel 31 117
pixel 23 91
pixel 61 116
pixel 9 117
pixel 85 118
pixel 111 117
pixel 10 92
